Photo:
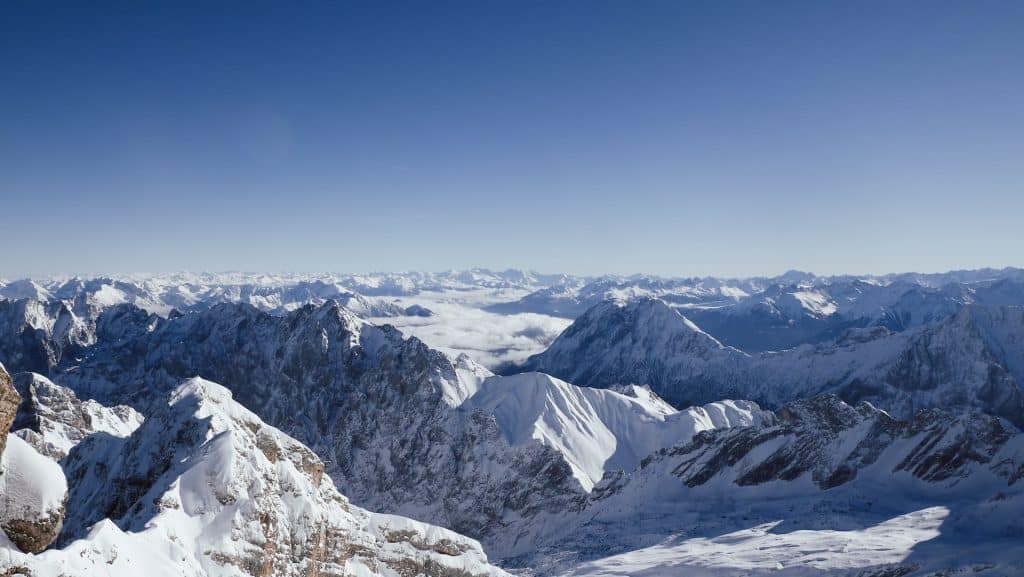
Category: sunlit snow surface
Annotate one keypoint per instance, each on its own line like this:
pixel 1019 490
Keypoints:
pixel 763 550
pixel 598 430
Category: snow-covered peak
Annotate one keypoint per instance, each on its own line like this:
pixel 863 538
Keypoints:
pixel 207 399
pixel 789 302
pixel 640 323
pixel 641 341
pixel 974 359
pixel 25 289
pixel 597 430
pixel 53 420
pixel 204 487
pixel 651 314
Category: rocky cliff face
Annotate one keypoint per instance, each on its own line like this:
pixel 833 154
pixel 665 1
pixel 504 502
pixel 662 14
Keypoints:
pixel 36 335
pixel 832 443
pixel 9 401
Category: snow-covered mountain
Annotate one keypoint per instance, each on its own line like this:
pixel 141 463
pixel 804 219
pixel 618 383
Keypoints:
pixel 204 487
pixel 570 299
pixel 316 401
pixel 273 293
pixel 972 359
pixel 524 311
pixel 640 341
pixel 776 313
pixel 35 335
pixel 53 419
pixel 446 309
pixel 403 428
pixel 825 488
pixel 596 430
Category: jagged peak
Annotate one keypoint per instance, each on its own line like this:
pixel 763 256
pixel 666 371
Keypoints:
pixel 640 311
pixel 334 310
pixel 201 390
pixel 598 430
pixel 199 398
pixel 27 380
pixel 827 410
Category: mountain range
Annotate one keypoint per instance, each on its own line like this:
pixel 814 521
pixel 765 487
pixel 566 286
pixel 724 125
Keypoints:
pixel 246 424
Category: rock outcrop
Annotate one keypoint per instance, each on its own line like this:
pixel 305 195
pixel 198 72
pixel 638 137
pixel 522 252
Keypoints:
pixel 9 401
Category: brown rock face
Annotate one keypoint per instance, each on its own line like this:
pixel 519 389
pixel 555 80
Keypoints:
pixel 34 536
pixel 9 401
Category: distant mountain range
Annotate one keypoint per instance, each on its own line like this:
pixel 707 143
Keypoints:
pixel 211 424
pixel 972 359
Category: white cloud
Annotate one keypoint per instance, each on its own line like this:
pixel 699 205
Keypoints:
pixel 459 325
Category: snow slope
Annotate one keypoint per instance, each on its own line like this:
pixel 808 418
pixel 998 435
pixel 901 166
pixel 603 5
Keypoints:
pixel 598 430
pixel 826 488
pixel 759 550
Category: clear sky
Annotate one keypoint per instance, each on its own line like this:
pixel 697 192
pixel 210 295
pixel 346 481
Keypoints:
pixel 676 138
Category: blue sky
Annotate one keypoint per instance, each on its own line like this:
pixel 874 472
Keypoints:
pixel 677 138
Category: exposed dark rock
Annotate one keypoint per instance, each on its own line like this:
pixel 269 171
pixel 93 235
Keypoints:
pixel 9 401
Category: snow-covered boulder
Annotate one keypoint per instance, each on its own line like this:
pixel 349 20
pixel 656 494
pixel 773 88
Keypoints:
pixel 32 495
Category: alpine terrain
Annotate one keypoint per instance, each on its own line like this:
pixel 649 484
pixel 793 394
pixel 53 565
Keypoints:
pixel 490 423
